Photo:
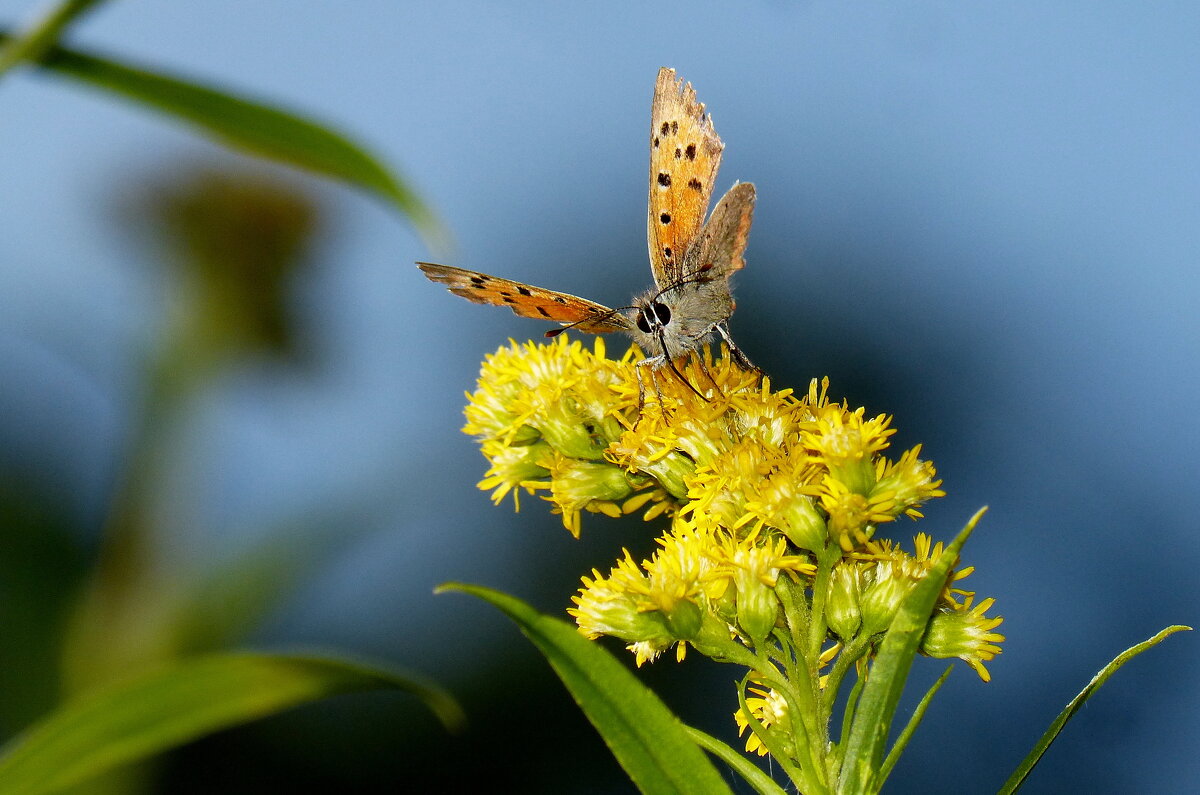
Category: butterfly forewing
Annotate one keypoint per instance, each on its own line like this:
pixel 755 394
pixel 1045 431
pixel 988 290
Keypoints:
pixel 527 300
pixel 685 153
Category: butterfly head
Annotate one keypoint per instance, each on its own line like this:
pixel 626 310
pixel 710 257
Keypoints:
pixel 653 317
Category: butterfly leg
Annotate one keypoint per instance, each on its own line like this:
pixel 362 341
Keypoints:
pixel 742 360
pixel 641 391
pixel 703 365
pixel 650 366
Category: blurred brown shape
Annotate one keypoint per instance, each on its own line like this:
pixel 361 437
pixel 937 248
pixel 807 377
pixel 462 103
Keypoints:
pixel 238 238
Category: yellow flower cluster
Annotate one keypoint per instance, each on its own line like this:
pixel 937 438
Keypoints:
pixel 763 487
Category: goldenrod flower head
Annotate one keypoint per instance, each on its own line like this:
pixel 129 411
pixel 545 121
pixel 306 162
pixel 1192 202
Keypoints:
pixel 906 484
pixel 770 709
pixel 888 582
pixel 752 566
pixel 616 605
pixel 965 632
pixel 577 485
pixel 847 443
pixel 523 466
pixel 783 499
pixel 852 516
pixel 843 613
pixel 889 574
pixel 717 491
pixel 681 581
pixel 506 376
pixel 653 453
pixel 674 586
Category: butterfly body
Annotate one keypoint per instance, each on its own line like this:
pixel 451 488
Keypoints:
pixel 692 258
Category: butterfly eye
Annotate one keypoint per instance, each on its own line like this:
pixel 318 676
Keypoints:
pixel 662 312
pixel 642 321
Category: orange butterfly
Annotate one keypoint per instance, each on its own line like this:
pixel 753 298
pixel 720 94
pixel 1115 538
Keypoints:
pixel 692 260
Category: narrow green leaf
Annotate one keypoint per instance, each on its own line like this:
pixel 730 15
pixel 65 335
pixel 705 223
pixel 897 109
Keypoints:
pixel 651 744
pixel 762 783
pixel 913 722
pixel 885 681
pixel 1029 762
pixel 43 34
pixel 160 710
pixel 251 126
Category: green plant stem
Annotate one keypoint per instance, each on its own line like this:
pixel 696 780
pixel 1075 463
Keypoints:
pixel 817 626
pixel 42 34
pixel 851 653
pixel 848 717
pixel 124 617
pixel 760 781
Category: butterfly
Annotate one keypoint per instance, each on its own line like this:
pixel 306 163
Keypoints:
pixel 692 259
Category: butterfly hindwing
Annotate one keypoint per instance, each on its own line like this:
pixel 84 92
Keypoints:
pixel 685 153
pixel 526 300
pixel 721 245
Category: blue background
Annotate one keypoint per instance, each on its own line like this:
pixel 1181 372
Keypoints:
pixel 981 218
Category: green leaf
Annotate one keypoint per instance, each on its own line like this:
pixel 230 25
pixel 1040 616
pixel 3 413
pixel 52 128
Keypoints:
pixel 762 783
pixel 166 708
pixel 885 682
pixel 1029 762
pixel 248 125
pixel 913 722
pixel 42 34
pixel 646 738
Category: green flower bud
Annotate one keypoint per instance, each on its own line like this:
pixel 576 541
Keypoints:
pixel 842 612
pixel 685 619
pixel 757 608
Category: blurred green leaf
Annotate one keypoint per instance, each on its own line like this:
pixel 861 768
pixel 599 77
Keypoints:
pixel 1029 762
pixel 43 34
pixel 164 709
pixel 42 566
pixel 651 744
pixel 252 126
pixel 888 674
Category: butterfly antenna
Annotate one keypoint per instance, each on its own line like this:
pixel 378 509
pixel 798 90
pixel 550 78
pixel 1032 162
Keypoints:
pixel 699 278
pixel 554 332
